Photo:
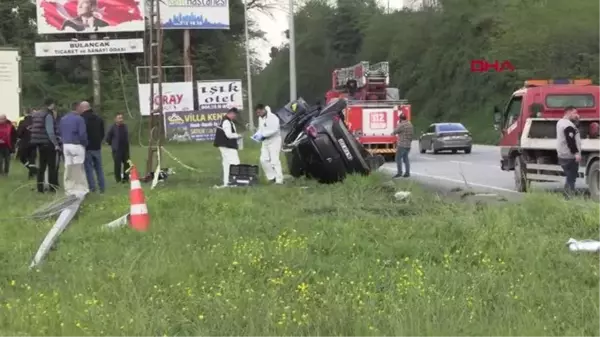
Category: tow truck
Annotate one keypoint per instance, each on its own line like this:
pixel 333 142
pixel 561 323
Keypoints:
pixel 528 124
pixel 373 107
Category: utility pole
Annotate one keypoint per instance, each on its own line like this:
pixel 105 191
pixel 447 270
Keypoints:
pixel 95 77
pixel 293 91
pixel 156 76
pixel 187 57
pixel 248 68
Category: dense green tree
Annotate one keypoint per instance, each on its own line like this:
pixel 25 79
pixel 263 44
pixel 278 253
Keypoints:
pixel 430 52
pixel 215 54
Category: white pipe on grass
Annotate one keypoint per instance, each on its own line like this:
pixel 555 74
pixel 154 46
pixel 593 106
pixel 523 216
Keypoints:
pixel 61 223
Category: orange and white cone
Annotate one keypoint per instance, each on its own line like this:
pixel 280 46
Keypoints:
pixel 138 214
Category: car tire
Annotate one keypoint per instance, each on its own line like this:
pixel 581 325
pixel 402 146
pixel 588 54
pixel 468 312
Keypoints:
pixel 521 182
pixel 593 180
pixel 454 151
pixel 294 167
pixel 468 150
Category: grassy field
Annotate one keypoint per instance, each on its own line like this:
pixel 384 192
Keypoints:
pixel 300 259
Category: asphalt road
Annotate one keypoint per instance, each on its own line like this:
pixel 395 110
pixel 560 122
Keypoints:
pixel 478 171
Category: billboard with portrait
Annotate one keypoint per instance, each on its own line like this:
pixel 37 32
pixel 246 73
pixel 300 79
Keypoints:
pixel 89 16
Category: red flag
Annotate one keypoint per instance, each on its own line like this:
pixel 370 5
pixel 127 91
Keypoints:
pixel 113 12
pixel 116 12
pixel 53 18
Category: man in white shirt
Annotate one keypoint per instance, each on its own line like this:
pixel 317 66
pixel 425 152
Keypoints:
pixel 269 134
pixel 226 139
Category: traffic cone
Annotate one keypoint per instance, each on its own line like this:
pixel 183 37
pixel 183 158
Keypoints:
pixel 138 214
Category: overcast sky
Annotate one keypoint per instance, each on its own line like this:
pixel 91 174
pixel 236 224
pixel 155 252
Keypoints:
pixel 275 26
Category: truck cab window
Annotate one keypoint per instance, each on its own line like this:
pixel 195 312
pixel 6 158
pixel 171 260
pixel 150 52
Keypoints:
pixel 513 110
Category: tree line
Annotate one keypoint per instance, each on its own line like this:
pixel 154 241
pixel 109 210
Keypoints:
pixel 430 52
pixel 216 54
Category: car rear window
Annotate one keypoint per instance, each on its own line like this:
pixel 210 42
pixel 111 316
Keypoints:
pixel 563 101
pixel 451 127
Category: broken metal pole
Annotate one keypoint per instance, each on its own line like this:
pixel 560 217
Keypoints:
pixel 61 223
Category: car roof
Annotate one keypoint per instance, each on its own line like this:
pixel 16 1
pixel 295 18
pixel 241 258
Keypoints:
pixel 436 124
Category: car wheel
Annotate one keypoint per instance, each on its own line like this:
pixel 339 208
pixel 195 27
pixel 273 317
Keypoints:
pixel 454 151
pixel 593 180
pixel 432 148
pixel 521 182
pixel 468 150
pixel 294 166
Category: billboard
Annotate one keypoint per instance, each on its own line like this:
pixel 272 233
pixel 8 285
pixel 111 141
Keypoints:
pixel 10 83
pixel 89 16
pixel 176 96
pixel 220 94
pixel 93 47
pixel 185 126
pixel 194 14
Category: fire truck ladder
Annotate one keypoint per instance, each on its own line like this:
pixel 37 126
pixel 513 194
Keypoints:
pixel 373 78
pixel 378 77
pixel 155 76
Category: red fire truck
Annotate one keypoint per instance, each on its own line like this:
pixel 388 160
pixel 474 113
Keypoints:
pixel 528 124
pixel 373 107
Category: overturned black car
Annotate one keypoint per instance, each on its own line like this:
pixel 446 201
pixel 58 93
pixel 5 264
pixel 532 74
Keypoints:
pixel 317 143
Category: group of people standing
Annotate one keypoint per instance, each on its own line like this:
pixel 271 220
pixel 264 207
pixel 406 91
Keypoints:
pixel 269 134
pixel 76 137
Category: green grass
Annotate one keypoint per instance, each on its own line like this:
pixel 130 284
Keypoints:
pixel 344 259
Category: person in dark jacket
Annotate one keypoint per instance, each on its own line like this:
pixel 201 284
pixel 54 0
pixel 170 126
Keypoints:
pixel 88 17
pixel 226 139
pixel 118 140
pixel 8 139
pixel 44 136
pixel 25 151
pixel 93 152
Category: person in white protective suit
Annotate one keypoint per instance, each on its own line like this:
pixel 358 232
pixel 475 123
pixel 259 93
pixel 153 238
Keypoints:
pixel 226 139
pixel 269 134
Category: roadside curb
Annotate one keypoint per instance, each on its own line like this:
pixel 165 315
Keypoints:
pixel 460 193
